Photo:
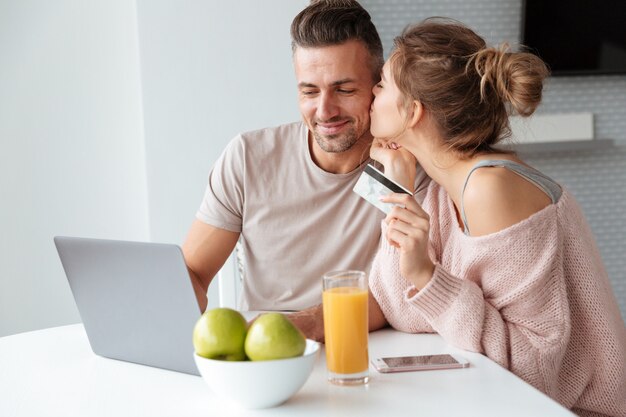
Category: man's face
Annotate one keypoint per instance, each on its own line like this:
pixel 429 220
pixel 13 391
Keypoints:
pixel 335 92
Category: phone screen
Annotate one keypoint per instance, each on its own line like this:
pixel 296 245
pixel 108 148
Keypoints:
pixel 403 361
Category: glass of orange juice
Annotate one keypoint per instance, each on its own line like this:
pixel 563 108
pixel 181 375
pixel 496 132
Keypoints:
pixel 346 326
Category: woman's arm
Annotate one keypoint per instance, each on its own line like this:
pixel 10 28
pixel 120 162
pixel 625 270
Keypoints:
pixel 509 302
pixel 525 328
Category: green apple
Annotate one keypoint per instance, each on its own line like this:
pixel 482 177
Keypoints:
pixel 274 336
pixel 220 333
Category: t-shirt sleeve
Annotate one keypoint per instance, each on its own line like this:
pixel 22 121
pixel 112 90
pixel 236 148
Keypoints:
pixel 222 205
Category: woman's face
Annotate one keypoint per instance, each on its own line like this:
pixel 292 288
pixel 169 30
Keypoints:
pixel 388 120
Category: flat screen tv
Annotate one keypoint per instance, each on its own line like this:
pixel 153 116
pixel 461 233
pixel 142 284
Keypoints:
pixel 577 37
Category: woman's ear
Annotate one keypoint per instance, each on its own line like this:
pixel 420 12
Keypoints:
pixel 416 112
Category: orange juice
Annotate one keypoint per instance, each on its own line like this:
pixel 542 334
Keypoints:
pixel 346 329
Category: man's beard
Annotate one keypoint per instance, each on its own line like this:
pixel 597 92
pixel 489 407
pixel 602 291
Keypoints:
pixel 337 143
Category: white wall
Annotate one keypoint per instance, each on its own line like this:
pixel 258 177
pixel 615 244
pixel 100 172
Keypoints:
pixel 71 146
pixel 210 69
pixel 78 79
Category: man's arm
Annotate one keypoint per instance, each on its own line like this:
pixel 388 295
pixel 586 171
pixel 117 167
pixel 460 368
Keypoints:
pixel 376 317
pixel 311 320
pixel 205 250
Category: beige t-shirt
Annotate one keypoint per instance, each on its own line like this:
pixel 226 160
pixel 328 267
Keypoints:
pixel 296 220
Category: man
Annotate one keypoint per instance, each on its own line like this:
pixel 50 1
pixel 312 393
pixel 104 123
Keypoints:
pixel 287 191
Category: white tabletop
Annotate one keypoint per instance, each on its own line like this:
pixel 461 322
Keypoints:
pixel 53 372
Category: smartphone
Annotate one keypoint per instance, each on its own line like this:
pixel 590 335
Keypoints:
pixel 372 184
pixel 419 363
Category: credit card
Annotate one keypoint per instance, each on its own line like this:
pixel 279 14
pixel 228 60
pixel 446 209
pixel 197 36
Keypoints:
pixel 372 184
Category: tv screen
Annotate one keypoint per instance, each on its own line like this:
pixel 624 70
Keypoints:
pixel 577 36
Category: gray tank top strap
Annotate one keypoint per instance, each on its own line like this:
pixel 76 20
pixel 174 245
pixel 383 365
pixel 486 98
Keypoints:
pixel 542 181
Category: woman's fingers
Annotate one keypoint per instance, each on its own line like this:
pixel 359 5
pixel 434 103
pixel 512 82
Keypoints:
pixel 407 223
pixel 406 207
pixel 419 226
pixel 407 242
pixel 382 152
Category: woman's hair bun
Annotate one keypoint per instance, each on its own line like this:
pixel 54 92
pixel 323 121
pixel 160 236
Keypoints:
pixel 516 77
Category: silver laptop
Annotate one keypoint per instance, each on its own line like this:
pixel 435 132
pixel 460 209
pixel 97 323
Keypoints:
pixel 135 299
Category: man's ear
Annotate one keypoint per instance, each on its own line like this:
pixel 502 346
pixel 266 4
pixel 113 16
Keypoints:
pixel 416 112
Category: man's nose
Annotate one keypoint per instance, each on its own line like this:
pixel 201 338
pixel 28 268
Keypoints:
pixel 327 107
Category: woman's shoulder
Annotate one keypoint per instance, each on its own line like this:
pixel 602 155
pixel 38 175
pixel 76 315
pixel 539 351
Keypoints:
pixel 497 198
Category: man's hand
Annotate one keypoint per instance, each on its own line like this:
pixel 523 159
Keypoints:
pixel 310 321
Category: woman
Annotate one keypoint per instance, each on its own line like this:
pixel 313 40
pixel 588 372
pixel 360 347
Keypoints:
pixel 499 258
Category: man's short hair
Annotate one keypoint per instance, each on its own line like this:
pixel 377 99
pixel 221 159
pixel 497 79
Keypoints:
pixel 333 22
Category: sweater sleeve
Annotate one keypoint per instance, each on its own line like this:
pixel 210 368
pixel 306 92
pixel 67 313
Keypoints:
pixel 388 288
pixel 507 299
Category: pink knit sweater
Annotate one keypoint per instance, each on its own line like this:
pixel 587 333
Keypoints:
pixel 534 298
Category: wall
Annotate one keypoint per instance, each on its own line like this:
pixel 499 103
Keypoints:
pixel 596 177
pixel 76 85
pixel 71 146
pixel 210 70
pixel 111 116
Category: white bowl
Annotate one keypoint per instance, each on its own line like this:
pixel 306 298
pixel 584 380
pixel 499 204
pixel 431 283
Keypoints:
pixel 259 384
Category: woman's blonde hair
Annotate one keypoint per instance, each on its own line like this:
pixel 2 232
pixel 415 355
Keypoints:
pixel 469 89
